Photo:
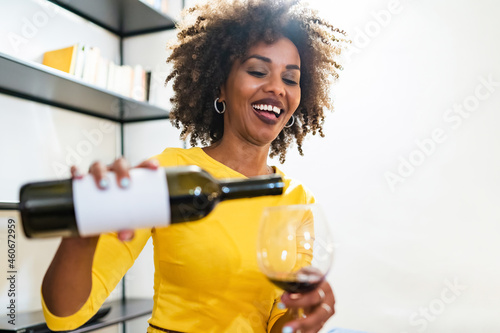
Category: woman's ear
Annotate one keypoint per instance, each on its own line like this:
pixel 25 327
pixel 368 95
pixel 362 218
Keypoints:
pixel 222 93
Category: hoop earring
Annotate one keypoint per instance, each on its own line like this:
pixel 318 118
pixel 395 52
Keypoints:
pixel 223 106
pixel 293 121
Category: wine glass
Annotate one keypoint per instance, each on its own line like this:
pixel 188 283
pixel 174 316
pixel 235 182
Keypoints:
pixel 294 247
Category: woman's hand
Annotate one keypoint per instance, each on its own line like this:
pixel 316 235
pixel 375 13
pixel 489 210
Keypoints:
pixel 68 281
pixel 318 305
pixel 121 169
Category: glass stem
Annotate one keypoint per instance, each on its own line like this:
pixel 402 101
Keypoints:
pixel 298 313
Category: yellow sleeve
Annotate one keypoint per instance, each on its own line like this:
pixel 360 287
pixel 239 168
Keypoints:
pixel 275 312
pixel 112 259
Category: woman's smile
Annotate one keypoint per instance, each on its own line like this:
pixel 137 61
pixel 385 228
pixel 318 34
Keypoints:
pixel 262 91
pixel 268 110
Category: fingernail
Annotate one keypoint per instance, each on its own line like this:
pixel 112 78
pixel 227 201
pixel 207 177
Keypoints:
pixel 281 306
pixel 125 182
pixel 128 236
pixel 103 183
pixel 287 329
pixel 294 296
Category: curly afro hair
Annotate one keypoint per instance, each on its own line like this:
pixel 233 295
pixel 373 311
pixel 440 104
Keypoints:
pixel 214 34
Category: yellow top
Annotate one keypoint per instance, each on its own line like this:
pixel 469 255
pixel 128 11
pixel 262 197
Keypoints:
pixel 206 275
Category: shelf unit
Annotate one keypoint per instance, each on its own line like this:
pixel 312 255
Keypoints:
pixel 42 84
pixel 36 82
pixel 124 18
pixel 5 205
pixel 118 312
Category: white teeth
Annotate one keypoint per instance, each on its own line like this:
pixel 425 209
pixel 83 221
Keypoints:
pixel 264 107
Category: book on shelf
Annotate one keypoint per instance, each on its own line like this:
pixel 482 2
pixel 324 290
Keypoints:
pixel 158 93
pixel 139 84
pixel 125 75
pixel 62 59
pixel 87 64
pixel 147 77
pixel 110 83
pixel 102 68
pixel 80 60
pixel 90 65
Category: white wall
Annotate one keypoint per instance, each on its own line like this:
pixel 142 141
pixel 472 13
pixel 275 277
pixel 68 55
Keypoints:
pixel 40 142
pixel 143 140
pixel 398 245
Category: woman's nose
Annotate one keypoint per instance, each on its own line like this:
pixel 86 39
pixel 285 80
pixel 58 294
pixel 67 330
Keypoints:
pixel 275 85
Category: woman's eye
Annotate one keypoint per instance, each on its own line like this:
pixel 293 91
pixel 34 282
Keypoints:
pixel 257 74
pixel 290 82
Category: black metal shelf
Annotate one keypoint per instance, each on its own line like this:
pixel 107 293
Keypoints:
pixel 124 18
pixel 39 83
pixel 9 205
pixel 119 312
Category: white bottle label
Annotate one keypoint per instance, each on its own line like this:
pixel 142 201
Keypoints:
pixel 145 203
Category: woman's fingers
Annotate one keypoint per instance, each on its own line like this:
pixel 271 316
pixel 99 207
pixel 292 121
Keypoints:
pixel 98 170
pixel 75 173
pixel 149 164
pixel 318 306
pixel 126 235
pixel 120 167
pixel 312 323
pixel 310 299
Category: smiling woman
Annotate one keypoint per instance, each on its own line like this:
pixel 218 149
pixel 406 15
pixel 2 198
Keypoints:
pixel 261 92
pixel 249 78
pixel 218 35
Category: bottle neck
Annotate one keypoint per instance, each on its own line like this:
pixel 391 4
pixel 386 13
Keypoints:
pixel 252 187
pixel 9 206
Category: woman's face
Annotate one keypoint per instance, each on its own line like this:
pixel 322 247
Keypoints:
pixel 262 91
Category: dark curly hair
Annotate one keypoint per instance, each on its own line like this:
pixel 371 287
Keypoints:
pixel 214 34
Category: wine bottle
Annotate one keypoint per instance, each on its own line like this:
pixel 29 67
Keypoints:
pixel 76 207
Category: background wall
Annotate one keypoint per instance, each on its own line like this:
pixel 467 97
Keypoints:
pixel 417 223
pixel 39 142
pixel 408 168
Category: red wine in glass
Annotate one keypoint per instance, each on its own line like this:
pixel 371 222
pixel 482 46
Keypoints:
pixel 294 247
pixel 307 279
